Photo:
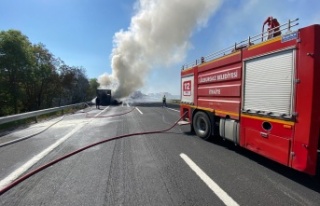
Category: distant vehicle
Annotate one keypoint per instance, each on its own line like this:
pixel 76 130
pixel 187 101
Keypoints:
pixel 105 96
pixel 262 94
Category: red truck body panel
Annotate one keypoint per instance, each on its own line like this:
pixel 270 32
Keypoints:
pixel 306 134
pixel 219 87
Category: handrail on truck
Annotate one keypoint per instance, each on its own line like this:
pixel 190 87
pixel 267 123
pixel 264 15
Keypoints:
pixel 244 43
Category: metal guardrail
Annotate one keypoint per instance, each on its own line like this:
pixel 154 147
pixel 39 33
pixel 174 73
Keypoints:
pixel 26 115
pixel 251 40
pixel 175 101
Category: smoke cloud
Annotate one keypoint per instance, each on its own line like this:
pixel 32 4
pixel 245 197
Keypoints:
pixel 158 35
pixel 107 81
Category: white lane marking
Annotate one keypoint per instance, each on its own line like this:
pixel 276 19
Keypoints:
pixel 101 111
pixel 15 174
pixel 139 110
pixel 173 109
pixel 226 199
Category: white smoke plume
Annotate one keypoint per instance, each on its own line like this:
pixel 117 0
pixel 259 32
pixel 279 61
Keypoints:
pixel 107 81
pixel 158 36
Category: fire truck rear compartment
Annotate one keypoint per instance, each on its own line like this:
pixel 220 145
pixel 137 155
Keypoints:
pixel 263 97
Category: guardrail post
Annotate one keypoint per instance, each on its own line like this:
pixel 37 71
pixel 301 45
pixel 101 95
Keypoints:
pixel 36 119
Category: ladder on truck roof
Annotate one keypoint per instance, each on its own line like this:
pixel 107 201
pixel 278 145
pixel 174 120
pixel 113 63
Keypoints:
pixel 259 38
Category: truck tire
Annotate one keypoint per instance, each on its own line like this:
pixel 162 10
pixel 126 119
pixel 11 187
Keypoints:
pixel 201 125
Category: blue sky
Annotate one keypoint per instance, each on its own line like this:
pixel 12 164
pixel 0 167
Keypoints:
pixel 81 32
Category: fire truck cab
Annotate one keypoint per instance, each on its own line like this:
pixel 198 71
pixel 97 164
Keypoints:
pixel 263 94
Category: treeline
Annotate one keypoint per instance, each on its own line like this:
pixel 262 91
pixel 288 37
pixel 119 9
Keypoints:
pixel 32 78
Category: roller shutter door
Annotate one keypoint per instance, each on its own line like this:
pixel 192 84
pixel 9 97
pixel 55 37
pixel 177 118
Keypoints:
pixel 268 84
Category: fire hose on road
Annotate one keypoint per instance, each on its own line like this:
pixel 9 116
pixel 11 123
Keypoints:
pixel 32 135
pixel 26 176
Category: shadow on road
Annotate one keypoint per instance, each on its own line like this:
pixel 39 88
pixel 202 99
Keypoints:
pixel 312 182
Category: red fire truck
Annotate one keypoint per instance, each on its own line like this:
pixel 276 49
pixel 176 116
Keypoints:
pixel 263 94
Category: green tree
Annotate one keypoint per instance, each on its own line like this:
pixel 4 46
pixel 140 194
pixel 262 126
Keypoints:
pixel 39 78
pixel 94 85
pixel 74 85
pixel 31 78
pixel 81 86
pixel 16 58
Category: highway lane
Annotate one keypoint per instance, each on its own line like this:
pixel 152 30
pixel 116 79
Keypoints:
pixel 147 169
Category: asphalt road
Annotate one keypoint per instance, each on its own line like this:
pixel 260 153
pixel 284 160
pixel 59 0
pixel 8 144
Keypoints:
pixel 172 168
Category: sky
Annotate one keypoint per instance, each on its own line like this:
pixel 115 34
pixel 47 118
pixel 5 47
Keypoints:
pixel 145 40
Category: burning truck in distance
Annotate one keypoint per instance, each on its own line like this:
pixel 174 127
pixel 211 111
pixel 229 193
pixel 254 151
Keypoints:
pixel 106 98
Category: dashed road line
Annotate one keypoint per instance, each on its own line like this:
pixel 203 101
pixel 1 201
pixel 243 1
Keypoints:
pixel 139 110
pixel 127 103
pixel 15 174
pixel 173 109
pixel 101 111
pixel 223 196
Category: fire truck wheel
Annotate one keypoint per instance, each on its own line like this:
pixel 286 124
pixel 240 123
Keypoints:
pixel 201 125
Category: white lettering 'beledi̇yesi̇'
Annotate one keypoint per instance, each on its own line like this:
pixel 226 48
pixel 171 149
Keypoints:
pixel 219 77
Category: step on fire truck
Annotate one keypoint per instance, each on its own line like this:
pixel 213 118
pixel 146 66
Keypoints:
pixel 263 94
